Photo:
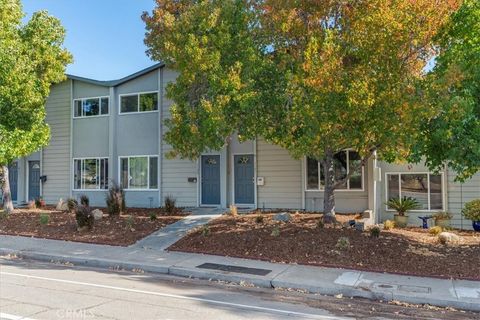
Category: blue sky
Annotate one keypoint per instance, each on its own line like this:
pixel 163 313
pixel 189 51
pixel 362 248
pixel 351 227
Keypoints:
pixel 104 36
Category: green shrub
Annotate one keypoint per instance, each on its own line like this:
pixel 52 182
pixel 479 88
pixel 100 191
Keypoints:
pixel 389 225
pixel 403 205
pixel 375 232
pixel 84 217
pixel 153 216
pixel 435 231
pixel 320 224
pixel 472 210
pixel 259 219
pixel 84 201
pixel 44 218
pixel 343 243
pixel 3 214
pixel 275 231
pixel 205 231
pixel 72 205
pixel 170 204
pixel 115 200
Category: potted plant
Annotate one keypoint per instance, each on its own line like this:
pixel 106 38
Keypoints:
pixel 442 219
pixel 402 206
pixel 472 211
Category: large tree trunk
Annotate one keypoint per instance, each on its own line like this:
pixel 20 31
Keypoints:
pixel 7 196
pixel 328 194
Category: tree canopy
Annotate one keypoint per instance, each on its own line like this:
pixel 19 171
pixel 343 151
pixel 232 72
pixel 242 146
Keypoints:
pixel 31 59
pixel 315 77
pixel 452 136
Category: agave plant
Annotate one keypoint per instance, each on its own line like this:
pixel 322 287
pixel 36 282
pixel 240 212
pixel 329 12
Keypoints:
pixel 403 205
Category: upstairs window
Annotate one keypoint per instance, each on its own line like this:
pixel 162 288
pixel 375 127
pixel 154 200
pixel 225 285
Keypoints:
pixel 344 163
pixel 90 107
pixel 139 102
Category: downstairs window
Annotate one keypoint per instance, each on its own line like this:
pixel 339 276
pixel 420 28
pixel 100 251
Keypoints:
pixel 90 174
pixel 426 188
pixel 344 162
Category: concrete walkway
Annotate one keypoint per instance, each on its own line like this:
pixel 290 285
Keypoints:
pixel 164 238
pixel 350 283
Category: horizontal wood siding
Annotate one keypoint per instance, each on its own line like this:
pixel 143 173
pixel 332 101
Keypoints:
pixel 283 177
pixel 56 156
pixel 460 193
pixel 175 172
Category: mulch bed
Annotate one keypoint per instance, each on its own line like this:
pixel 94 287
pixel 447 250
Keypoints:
pixel 121 230
pixel 411 251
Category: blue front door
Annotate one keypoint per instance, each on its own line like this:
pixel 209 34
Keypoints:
pixel 244 179
pixel 13 179
pixel 211 180
pixel 33 180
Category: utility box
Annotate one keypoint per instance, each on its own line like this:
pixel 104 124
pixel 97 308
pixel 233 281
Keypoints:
pixel 260 181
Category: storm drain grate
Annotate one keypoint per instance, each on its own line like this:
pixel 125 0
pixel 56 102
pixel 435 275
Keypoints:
pixel 236 269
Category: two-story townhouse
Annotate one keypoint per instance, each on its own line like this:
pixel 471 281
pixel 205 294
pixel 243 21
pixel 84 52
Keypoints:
pixel 105 131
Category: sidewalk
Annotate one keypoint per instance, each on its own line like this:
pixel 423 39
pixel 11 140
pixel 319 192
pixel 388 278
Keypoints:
pixel 164 238
pixel 453 293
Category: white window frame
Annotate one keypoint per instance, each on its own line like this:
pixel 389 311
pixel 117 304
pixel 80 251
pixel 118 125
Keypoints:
pixel 138 94
pixel 82 189
pixel 100 108
pixel 148 156
pixel 322 188
pixel 442 175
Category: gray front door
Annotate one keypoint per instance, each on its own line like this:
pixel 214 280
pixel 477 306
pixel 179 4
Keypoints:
pixel 211 180
pixel 244 179
pixel 13 179
pixel 33 180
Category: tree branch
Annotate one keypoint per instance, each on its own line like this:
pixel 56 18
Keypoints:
pixel 362 163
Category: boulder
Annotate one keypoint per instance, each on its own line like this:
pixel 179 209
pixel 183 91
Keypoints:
pixel 97 214
pixel 448 238
pixel 62 205
pixel 282 216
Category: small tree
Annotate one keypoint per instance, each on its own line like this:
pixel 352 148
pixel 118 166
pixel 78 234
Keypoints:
pixel 313 77
pixel 31 59
pixel 115 200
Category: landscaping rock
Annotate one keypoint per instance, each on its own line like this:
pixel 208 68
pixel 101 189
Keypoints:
pixel 282 216
pixel 448 238
pixel 97 214
pixel 62 205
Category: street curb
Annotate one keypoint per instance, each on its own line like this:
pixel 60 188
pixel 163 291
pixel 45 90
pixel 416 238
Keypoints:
pixel 346 291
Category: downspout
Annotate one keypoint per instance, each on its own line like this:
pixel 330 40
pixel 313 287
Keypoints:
pixel 304 196
pixel 376 177
pixel 160 137
pixel 70 178
pixel 255 174
pixel 41 174
pixel 113 168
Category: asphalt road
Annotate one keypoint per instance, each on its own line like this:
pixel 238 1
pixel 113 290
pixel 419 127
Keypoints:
pixel 34 290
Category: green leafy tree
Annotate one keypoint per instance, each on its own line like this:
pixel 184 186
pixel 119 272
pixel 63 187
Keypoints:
pixel 315 77
pixel 31 59
pixel 452 136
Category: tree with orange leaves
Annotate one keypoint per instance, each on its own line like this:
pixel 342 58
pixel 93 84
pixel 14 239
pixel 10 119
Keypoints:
pixel 315 77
